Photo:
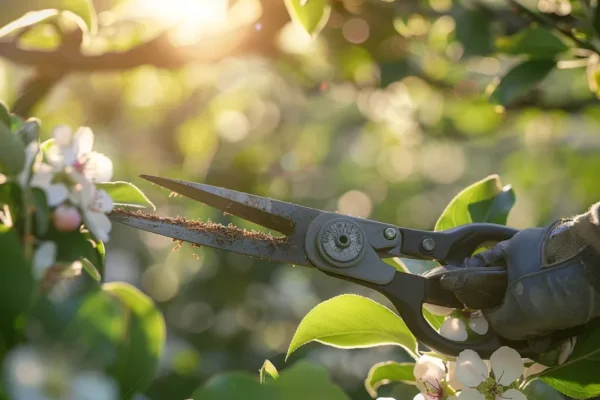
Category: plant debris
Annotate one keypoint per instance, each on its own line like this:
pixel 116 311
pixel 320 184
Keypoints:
pixel 229 232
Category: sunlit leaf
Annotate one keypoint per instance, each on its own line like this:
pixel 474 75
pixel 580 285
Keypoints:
pixel 268 369
pixel 520 80
pixel 91 269
pixel 538 390
pixel 12 152
pixel 387 372
pixel 15 10
pixel 484 201
pixel 125 194
pixel 350 321
pixel 533 42
pixel 28 20
pixel 311 15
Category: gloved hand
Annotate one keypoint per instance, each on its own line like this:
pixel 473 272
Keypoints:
pixel 540 281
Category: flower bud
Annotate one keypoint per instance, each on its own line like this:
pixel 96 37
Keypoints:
pixel 66 218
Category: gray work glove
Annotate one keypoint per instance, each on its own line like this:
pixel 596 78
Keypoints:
pixel 540 281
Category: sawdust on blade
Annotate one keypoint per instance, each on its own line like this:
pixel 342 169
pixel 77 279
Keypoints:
pixel 229 232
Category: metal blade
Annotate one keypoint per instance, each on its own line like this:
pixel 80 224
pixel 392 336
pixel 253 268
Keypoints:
pixel 273 214
pixel 286 250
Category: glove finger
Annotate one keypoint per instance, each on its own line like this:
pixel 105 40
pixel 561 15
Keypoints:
pixel 478 288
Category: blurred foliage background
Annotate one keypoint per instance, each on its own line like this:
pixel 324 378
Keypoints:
pixel 383 115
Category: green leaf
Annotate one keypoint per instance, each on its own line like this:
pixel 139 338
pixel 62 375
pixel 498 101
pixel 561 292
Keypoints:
pixel 4 115
pixel 14 10
pixel 126 195
pixel 596 19
pixel 12 152
pixel 100 253
pixel 578 376
pixel 301 381
pixel 305 380
pixel 73 246
pixel 473 31
pixel 234 386
pixel 351 321
pixel 42 212
pixel 16 284
pixel 29 131
pixel 15 122
pixel 140 348
pixel 269 369
pixel 483 201
pixel 520 80
pixel 10 195
pixel 534 42
pixel 538 390
pixel 386 372
pixel 311 15
pixel 91 269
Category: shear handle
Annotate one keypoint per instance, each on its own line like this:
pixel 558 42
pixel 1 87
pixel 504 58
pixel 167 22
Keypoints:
pixel 452 246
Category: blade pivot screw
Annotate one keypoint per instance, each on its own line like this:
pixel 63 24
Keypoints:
pixel 428 244
pixel 389 233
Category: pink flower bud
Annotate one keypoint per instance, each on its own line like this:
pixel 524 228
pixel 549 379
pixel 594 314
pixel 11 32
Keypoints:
pixel 66 218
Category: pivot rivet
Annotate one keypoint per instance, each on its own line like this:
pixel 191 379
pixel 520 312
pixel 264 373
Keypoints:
pixel 428 244
pixel 389 233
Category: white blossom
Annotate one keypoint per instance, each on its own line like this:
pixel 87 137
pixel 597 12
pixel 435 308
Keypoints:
pixel 506 367
pixel 94 205
pixel 455 325
pixel 430 378
pixel 73 151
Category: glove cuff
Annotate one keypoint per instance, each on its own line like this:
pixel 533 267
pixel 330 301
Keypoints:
pixel 588 225
pixel 567 238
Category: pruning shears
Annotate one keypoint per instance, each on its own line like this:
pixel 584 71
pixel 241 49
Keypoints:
pixel 345 247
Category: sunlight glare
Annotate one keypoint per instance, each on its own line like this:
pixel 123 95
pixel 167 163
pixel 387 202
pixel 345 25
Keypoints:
pixel 188 20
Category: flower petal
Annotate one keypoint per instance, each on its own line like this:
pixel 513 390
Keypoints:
pixel 566 348
pixel 452 381
pixel 83 140
pixel 478 323
pixel 56 194
pixel 507 365
pixel 63 135
pixel 470 394
pixel 512 394
pixel 429 372
pixel 470 369
pixel 43 258
pixel 98 223
pixel 438 310
pixel 102 202
pixel 533 369
pixel 97 167
pixel 454 329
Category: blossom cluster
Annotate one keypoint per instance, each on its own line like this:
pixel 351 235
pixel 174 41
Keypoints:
pixel 469 377
pixel 67 172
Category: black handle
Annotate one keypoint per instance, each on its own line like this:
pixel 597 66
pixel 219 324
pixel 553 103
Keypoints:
pixel 452 246
pixel 407 292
